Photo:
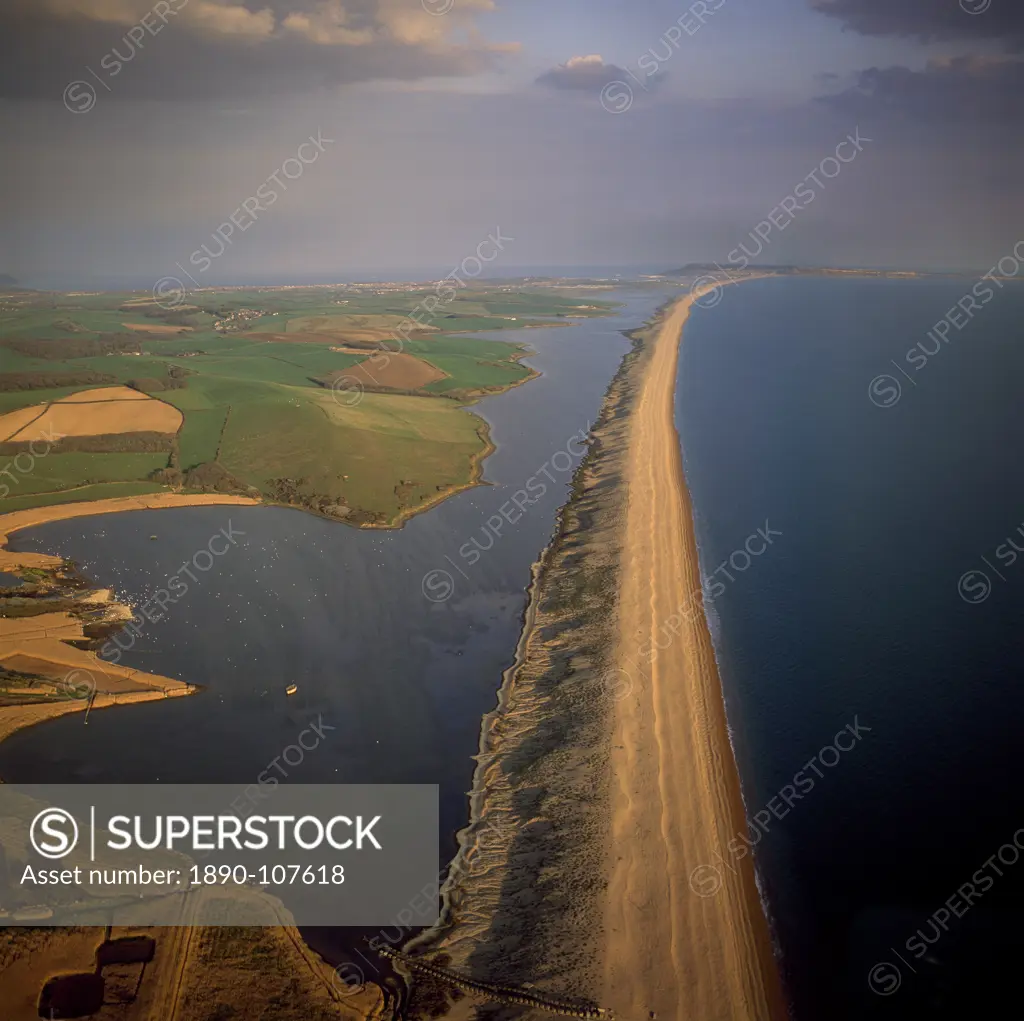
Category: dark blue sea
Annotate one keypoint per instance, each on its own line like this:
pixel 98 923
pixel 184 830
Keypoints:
pixel 892 608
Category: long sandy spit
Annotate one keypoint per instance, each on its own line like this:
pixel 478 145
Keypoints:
pixel 701 952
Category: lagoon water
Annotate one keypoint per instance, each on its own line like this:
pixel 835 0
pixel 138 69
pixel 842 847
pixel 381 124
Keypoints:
pixel 855 613
pixel 400 674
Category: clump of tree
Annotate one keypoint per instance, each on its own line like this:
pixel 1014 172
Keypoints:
pixel 185 315
pixel 213 477
pixel 60 348
pixel 108 443
pixel 167 477
pixel 148 384
pixel 371 345
pixel 69 326
pixel 290 491
pixel 49 380
pixel 176 379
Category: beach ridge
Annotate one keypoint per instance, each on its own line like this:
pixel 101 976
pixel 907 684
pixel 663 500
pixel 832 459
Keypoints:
pixel 573 801
pixel 676 797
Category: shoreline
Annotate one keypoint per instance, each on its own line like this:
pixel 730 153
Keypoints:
pixel 490 929
pixel 31 517
pixel 15 718
pixel 106 505
pixel 676 780
pixel 535 893
pixel 39 646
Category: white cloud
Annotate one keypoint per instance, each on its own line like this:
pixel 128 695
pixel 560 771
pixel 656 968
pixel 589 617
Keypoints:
pixel 229 19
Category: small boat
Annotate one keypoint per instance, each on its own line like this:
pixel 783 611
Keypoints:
pixel 291 689
pixel 152 537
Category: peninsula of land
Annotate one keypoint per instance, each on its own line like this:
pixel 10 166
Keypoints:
pixel 347 402
pixel 51 624
pixel 605 776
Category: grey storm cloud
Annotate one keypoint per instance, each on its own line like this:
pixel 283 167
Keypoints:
pixel 976 89
pixel 189 49
pixel 929 20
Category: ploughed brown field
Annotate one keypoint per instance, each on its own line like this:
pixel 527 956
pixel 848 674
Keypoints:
pixel 156 328
pixel 101 412
pixel 401 371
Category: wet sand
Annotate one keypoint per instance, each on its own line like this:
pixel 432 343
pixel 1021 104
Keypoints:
pixel 681 949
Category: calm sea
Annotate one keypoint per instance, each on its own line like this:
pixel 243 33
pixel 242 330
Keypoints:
pixel 891 604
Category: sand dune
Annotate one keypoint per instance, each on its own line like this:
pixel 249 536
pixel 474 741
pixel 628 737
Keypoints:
pixel 676 797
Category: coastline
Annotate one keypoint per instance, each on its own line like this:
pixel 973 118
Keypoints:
pixel 30 517
pixel 15 718
pixel 536 746
pixel 54 658
pixel 38 645
pixel 12 521
pixel 567 878
pixel 676 784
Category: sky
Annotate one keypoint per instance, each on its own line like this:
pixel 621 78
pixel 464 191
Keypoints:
pixel 285 140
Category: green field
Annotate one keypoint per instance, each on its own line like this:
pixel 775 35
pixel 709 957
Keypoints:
pixel 466 373
pixel 100 492
pixel 56 472
pixel 200 435
pixel 259 414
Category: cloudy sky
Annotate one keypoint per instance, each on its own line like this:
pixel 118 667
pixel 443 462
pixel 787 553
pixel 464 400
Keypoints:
pixel 644 133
